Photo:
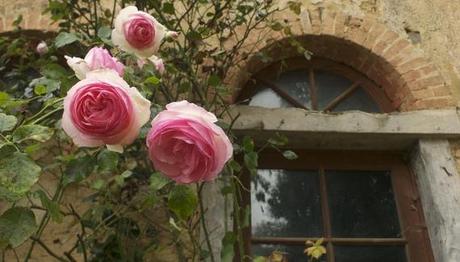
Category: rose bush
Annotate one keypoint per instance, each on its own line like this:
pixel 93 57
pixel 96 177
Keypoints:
pixel 186 145
pixel 114 197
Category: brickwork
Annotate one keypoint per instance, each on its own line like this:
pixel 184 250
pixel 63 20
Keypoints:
pixel 409 79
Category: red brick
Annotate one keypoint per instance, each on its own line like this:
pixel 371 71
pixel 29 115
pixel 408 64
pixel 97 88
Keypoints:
pixel 423 93
pixel 385 42
pixel 441 91
pixel 411 76
pixel 339 25
pixel 396 47
pixel 430 81
pixel 375 32
pixel 327 26
pixel 411 65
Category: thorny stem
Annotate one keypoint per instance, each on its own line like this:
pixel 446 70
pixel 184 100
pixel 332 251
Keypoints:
pixel 203 221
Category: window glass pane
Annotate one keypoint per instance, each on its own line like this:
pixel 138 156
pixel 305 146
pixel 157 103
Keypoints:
pixel 361 204
pixel 358 100
pixel 369 254
pixel 285 203
pixel 269 99
pixel 329 86
pixel 292 253
pixel 295 83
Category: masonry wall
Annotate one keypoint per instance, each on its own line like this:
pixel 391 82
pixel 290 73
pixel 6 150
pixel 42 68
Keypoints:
pixel 427 27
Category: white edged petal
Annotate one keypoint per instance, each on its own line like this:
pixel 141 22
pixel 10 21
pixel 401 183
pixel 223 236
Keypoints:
pixel 115 148
pixel 79 66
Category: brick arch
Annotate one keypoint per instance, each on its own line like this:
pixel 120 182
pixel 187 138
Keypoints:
pixel 409 79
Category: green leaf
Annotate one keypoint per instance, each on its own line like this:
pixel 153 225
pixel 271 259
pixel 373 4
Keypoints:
pixel 4 98
pixel 32 132
pixel 104 32
pixel 49 84
pixel 289 154
pixel 168 8
pixel 152 80
pixel 235 166
pixel 228 242
pixel 126 174
pixel 107 161
pixel 214 80
pixel 18 173
pixel 78 169
pixel 182 201
pixel 248 144
pixel 259 259
pixel 278 140
pixel 7 122
pixel 17 224
pixel 51 206
pixel 40 90
pixel 98 184
pixel 65 38
pixel 158 181
pixel 251 159
pixel 54 71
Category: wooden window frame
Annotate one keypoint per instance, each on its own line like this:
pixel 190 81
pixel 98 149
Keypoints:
pixel 271 72
pixel 413 229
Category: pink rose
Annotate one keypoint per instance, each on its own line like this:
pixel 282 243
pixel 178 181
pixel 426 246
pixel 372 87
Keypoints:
pixel 186 145
pixel 96 58
pixel 42 48
pixel 103 109
pixel 138 32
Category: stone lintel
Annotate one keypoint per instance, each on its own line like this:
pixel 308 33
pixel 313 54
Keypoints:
pixel 351 130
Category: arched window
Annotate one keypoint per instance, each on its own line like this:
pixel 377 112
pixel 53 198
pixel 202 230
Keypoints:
pixel 356 200
pixel 317 84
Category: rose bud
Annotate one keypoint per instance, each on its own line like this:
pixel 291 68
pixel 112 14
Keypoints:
pixel 186 145
pixel 103 109
pixel 96 58
pixel 42 48
pixel 138 32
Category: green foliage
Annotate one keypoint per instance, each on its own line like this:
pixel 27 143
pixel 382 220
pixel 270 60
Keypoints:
pixel 65 38
pixel 7 122
pixel 78 169
pixel 17 224
pixel 228 243
pixel 125 185
pixel 107 161
pixel 51 206
pixel 18 173
pixel 182 200
pixel 32 132
pixel 289 154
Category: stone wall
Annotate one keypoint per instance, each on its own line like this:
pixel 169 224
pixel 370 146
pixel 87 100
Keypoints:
pixel 410 47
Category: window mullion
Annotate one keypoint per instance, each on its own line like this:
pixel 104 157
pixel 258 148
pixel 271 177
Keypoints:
pixel 342 96
pixel 325 214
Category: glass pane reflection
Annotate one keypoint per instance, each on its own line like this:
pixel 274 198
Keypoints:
pixel 369 254
pixel 296 84
pixel 359 100
pixel 285 203
pixel 329 86
pixel 269 99
pixel 292 253
pixel 362 204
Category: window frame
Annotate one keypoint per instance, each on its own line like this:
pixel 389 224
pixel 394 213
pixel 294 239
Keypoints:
pixel 269 73
pixel 410 213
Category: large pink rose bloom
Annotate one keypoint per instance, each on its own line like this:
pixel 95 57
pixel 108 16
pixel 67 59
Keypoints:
pixel 96 58
pixel 138 32
pixel 103 109
pixel 186 145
